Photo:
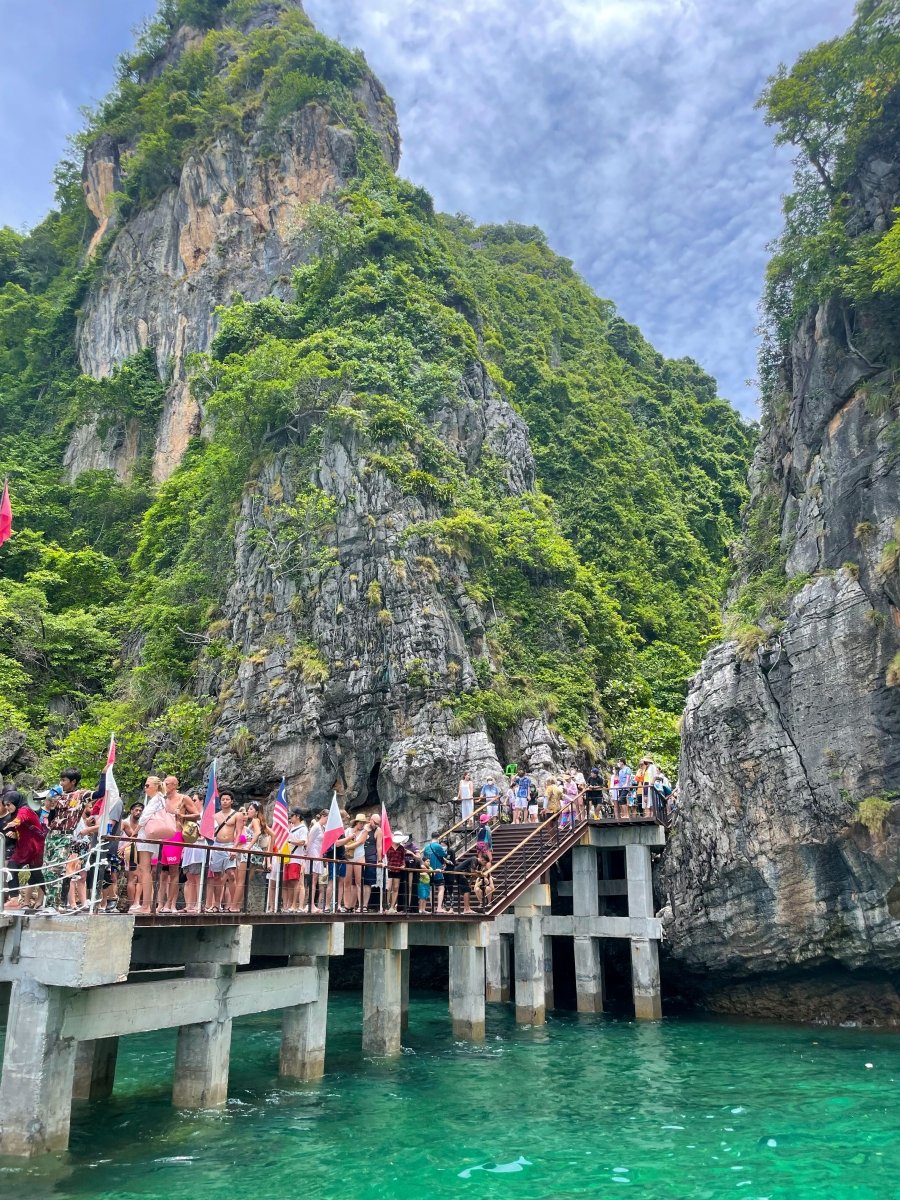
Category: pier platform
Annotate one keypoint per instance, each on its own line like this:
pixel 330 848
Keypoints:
pixel 73 985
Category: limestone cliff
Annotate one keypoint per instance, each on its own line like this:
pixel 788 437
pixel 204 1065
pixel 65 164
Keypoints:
pixel 228 226
pixel 782 893
pixel 399 634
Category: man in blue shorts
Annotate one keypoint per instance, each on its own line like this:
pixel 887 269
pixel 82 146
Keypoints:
pixel 521 796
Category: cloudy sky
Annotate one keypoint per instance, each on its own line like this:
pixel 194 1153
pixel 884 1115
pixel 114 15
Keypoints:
pixel 625 128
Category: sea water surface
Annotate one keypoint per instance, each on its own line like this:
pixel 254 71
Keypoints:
pixel 585 1106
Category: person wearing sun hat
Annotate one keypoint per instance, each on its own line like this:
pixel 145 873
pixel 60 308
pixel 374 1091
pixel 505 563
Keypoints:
pixel 484 843
pixel 354 855
pixel 396 862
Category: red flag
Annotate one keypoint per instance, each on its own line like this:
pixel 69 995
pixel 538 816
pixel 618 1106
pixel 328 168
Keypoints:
pixel 5 515
pixel 387 838
pixel 111 757
pixel 280 823
pixel 208 819
pixel 334 826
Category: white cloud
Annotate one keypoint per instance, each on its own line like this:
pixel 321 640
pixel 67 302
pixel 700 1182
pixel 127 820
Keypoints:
pixel 625 128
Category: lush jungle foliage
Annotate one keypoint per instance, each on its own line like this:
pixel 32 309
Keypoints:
pixel 839 106
pixel 606 581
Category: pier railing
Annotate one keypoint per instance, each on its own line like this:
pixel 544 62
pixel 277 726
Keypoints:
pixel 318 879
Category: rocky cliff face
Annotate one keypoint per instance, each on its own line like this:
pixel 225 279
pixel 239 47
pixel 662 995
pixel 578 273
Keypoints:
pixel 778 886
pixel 230 226
pixel 399 634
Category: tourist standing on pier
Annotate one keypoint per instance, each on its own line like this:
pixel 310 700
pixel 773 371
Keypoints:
pixel 484 843
pixel 624 800
pixel 373 848
pixel 465 795
pixel 27 859
pixel 490 795
pixel 154 806
pixel 434 854
pixel 130 830
pixel 355 847
pixel 396 862
pixel 294 883
pixel 314 855
pixel 521 789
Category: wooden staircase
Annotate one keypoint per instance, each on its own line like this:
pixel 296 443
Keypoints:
pixel 524 853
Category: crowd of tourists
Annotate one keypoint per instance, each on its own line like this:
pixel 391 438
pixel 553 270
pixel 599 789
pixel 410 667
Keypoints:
pixel 518 797
pixel 153 857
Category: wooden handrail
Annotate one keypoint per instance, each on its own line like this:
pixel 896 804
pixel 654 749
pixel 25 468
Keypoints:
pixel 538 829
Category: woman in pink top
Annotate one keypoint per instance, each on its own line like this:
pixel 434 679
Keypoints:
pixel 170 869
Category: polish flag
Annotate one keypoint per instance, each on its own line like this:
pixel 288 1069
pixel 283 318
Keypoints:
pixel 208 819
pixel 387 837
pixel 334 826
pixel 5 515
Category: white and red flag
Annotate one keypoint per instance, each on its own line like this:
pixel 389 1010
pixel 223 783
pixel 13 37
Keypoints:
pixel 334 826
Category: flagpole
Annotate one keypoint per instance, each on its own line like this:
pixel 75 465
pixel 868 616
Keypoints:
pixel 101 821
pixel 277 865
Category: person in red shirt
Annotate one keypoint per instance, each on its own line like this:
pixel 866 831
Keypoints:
pixel 27 859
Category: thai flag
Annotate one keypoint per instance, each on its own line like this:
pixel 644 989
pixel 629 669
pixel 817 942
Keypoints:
pixel 210 806
pixel 280 823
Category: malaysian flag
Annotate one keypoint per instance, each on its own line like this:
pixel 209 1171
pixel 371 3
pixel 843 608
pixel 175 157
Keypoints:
pixel 280 820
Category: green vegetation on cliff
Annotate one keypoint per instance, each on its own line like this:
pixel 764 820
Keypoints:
pixel 839 106
pixel 606 581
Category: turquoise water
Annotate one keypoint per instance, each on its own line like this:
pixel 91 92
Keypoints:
pixel 583 1107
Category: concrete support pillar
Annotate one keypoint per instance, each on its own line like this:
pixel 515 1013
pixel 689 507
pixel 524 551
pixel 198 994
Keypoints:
pixel 95 1069
pixel 304 1026
pixel 588 975
pixel 467 992
pixel 404 990
pixel 203 1052
pixel 640 881
pixel 496 964
pixel 585 880
pixel 548 973
pixel 38 1072
pixel 645 979
pixel 529 955
pixel 382 1002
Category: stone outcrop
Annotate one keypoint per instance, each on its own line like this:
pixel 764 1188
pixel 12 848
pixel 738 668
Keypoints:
pixel 398 629
pixel 776 885
pixel 230 226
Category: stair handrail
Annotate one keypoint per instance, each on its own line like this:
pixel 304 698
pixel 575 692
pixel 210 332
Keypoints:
pixel 567 809
pixel 465 820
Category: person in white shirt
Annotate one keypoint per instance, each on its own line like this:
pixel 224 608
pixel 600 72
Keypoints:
pixel 294 883
pixel 465 796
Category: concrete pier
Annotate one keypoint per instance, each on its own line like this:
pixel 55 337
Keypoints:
pixel 496 961
pixel 529 963
pixel 38 1072
pixel 76 985
pixel 95 1069
pixel 382 1003
pixel 588 975
pixel 304 1027
pixel 645 979
pixel 467 992
pixel 404 990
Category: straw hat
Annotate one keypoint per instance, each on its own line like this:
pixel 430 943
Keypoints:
pixel 360 819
